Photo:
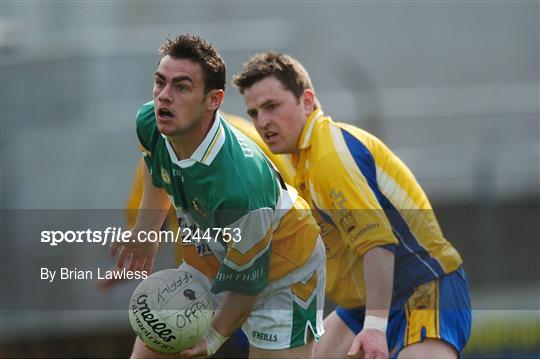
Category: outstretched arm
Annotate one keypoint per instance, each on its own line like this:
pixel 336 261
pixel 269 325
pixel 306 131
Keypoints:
pixel 137 255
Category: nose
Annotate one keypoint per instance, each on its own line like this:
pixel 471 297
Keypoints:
pixel 165 94
pixel 263 120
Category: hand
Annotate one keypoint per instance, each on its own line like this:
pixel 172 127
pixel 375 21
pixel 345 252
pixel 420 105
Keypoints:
pixel 104 284
pixel 135 255
pixel 197 351
pixel 369 344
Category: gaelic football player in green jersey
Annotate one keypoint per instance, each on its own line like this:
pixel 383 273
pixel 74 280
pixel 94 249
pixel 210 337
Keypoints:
pixel 247 234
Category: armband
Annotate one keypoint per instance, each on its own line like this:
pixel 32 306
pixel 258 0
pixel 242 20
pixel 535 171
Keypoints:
pixel 214 340
pixel 377 323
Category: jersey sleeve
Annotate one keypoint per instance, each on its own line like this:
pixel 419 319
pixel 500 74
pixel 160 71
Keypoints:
pixel 246 266
pixel 344 196
pixel 148 136
pixel 249 217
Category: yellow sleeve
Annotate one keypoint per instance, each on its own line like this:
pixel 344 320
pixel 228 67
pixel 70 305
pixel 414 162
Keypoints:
pixel 134 199
pixel 341 193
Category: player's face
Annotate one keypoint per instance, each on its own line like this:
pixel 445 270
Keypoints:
pixel 277 114
pixel 179 96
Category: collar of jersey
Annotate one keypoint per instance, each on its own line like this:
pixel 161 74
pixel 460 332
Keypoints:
pixel 305 137
pixel 207 150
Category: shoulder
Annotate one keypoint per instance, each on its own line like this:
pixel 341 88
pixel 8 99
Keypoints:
pixel 339 148
pixel 146 125
pixel 251 182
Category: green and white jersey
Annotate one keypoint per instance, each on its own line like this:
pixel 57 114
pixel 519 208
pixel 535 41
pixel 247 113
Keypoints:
pixel 230 202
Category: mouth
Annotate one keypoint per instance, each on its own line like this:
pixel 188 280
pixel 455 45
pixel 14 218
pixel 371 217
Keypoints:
pixel 270 136
pixel 165 114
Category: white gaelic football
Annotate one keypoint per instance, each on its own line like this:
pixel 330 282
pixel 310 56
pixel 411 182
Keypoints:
pixel 170 310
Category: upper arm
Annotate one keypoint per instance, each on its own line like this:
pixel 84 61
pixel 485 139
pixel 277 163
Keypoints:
pixel 342 191
pixel 245 268
pixel 153 197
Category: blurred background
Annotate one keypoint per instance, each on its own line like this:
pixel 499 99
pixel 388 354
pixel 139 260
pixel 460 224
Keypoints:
pixel 451 87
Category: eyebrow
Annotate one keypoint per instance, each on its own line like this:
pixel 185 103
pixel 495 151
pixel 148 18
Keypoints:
pixel 175 79
pixel 268 102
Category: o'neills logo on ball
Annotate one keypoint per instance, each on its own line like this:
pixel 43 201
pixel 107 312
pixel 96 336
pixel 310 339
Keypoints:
pixel 158 327
pixel 189 294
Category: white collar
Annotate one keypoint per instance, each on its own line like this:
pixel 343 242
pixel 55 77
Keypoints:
pixel 208 148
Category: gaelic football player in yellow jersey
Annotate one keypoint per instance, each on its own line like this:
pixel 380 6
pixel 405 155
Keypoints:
pixel 397 281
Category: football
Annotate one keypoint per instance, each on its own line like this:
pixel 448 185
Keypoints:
pixel 170 310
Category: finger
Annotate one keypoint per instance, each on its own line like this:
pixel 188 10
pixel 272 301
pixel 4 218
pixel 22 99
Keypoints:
pixel 137 262
pixel 356 346
pixel 113 249
pixel 140 263
pixel 370 355
pixel 186 353
pixel 149 265
pixel 105 284
pixel 124 254
pixel 194 352
pixel 133 262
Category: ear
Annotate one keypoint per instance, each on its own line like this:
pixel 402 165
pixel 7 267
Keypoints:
pixel 214 99
pixel 308 99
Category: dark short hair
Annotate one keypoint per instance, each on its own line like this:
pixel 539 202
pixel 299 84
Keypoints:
pixel 198 50
pixel 285 68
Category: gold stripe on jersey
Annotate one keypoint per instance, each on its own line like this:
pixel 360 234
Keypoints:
pixel 304 290
pixel 241 259
pixel 211 147
pixel 207 265
pixel 294 241
pixel 144 151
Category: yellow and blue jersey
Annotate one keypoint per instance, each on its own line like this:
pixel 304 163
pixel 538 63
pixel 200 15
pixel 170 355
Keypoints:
pixel 363 196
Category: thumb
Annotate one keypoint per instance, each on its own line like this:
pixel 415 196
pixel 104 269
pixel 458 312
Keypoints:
pixel 196 351
pixel 355 347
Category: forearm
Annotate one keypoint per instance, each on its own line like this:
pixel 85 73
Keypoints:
pixel 232 312
pixel 378 276
pixel 154 205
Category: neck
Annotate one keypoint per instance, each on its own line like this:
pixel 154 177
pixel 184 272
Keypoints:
pixel 186 143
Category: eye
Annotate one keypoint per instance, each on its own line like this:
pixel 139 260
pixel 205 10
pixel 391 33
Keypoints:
pixel 252 114
pixel 181 87
pixel 159 82
pixel 271 107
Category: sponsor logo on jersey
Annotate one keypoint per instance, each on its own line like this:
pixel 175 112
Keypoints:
pixel 424 296
pixel 265 336
pixel 165 176
pixel 365 229
pixel 344 216
pixel 197 207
